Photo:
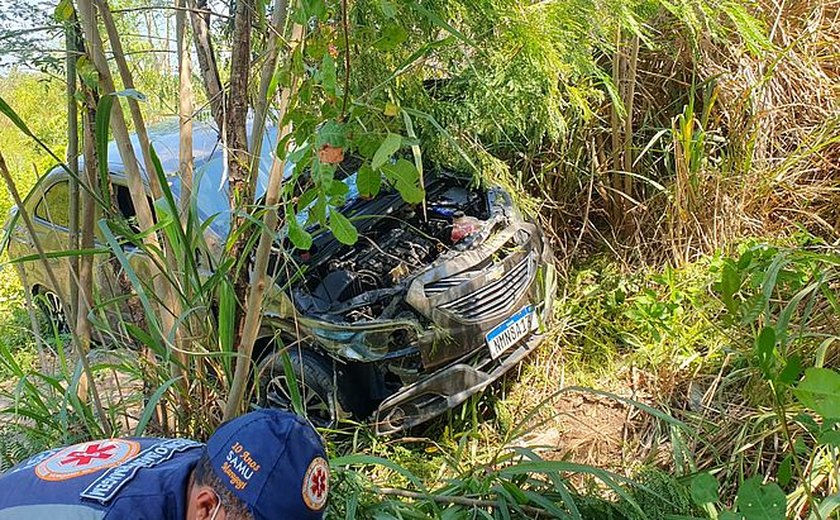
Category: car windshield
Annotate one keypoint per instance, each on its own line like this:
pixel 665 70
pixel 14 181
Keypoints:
pixel 212 191
pixel 210 182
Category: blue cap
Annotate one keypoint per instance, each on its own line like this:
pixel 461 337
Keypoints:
pixel 274 462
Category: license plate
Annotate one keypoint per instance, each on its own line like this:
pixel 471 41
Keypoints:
pixel 510 331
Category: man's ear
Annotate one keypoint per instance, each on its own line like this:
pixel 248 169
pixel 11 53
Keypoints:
pixel 203 501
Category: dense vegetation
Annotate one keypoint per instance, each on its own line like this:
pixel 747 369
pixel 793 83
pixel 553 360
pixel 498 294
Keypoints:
pixel 684 156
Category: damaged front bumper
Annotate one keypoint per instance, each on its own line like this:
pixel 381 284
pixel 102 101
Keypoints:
pixel 447 388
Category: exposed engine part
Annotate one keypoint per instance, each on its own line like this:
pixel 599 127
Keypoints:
pixel 366 281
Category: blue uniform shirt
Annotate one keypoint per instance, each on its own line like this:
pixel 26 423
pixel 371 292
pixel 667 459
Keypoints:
pixel 113 479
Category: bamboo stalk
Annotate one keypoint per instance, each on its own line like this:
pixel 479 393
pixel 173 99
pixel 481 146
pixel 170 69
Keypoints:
pixel 134 177
pixel 185 110
pixel 128 82
pixel 278 20
pixel 82 343
pixel 70 37
pixel 172 308
pixel 200 18
pixel 628 116
pixel 615 127
pixel 253 308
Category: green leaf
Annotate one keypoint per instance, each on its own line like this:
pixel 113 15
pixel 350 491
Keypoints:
pixel 761 502
pixel 790 373
pixel 151 406
pixel 441 23
pixel 64 11
pixel 830 438
pixel 300 238
pixel 318 212
pixel 392 37
pixel 292 383
pixel 343 229
pixel 310 9
pixel 704 489
pixel 337 188
pixel 383 154
pixel 765 348
pixel 405 178
pixel 328 79
pixel 367 144
pixel 9 112
pixel 768 283
pixel 820 391
pixel 785 473
pixel 299 153
pixel 87 72
pixel 387 8
pixel 729 515
pixel 101 125
pixel 730 284
pixel 307 198
pixel 826 507
pixel 131 93
pixel 331 133
pixel 368 181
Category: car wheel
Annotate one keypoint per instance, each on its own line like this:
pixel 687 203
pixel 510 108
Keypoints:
pixel 323 400
pixel 52 306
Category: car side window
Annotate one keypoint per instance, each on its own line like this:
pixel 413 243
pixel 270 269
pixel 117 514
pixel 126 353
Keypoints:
pixel 55 206
pixel 126 206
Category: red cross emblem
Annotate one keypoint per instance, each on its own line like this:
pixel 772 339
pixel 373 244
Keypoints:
pixel 319 483
pixel 316 483
pixel 84 457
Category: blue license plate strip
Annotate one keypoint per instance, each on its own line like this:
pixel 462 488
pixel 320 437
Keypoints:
pixel 510 331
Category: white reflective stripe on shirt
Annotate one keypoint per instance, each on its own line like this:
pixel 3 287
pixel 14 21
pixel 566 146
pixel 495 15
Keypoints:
pixel 51 512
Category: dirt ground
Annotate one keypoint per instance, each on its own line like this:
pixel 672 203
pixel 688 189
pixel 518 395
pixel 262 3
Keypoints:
pixel 596 430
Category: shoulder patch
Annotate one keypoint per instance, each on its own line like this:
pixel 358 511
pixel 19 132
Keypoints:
pixel 316 484
pixel 107 485
pixel 87 457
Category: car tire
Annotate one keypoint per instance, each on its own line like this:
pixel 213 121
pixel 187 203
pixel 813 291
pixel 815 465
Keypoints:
pixel 53 308
pixel 324 400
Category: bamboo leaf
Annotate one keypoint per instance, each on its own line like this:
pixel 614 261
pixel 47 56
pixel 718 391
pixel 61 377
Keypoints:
pixel 101 125
pixel 149 409
pixel 9 112
pixel 441 23
pixel 292 384
pixel 389 146
pixel 64 11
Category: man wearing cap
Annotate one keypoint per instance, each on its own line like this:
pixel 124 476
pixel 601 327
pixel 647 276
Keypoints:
pixel 265 465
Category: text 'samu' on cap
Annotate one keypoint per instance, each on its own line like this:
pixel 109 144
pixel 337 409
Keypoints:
pixel 274 462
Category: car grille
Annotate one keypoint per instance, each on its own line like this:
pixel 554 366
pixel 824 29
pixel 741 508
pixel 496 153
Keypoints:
pixel 444 284
pixel 493 299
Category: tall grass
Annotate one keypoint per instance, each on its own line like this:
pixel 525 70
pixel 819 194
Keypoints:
pixel 652 138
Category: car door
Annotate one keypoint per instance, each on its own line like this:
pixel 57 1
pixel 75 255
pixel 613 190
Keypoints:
pixel 49 211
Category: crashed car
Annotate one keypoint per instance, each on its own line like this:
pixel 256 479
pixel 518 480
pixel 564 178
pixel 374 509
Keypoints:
pixel 432 304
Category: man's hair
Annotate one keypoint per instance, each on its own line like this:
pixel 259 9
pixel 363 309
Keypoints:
pixel 203 475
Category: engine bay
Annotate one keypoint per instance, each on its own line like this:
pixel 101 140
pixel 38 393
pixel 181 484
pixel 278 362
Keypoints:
pixel 367 281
